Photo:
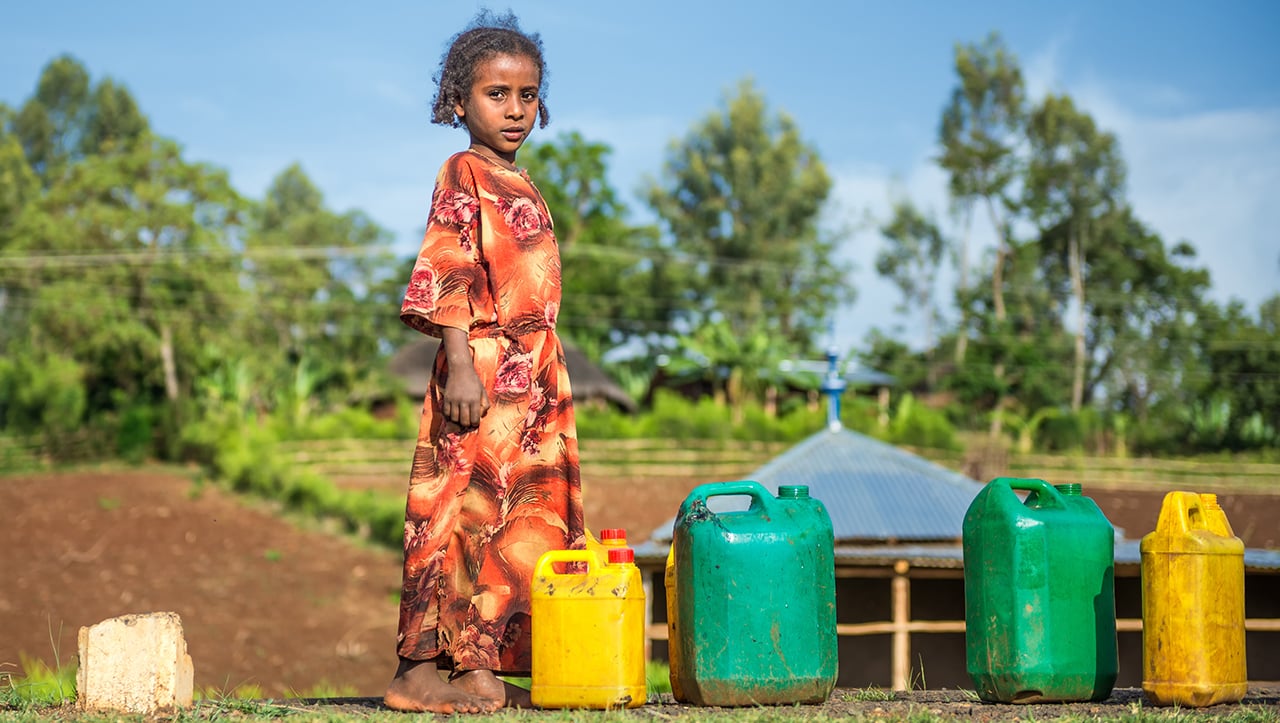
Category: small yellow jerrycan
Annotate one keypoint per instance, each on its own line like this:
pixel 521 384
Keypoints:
pixel 588 631
pixel 1193 605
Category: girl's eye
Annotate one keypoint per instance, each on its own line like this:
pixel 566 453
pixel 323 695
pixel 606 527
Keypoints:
pixel 496 94
pixel 529 97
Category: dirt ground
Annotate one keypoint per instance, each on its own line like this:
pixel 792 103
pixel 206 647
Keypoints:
pixel 915 705
pixel 268 602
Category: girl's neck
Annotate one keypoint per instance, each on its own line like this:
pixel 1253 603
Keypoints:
pixel 489 153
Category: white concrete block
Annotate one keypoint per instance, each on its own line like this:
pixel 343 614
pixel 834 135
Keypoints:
pixel 134 664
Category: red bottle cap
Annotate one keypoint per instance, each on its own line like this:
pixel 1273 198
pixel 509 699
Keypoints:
pixel 621 555
pixel 613 533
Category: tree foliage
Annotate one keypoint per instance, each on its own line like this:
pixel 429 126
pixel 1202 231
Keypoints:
pixel 741 196
pixel 616 275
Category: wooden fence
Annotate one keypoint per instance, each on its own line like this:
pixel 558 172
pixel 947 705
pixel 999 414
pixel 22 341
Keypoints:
pixel 377 459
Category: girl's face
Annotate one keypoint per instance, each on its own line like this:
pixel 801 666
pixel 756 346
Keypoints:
pixel 502 107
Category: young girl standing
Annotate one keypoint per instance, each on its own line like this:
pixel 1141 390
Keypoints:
pixel 495 478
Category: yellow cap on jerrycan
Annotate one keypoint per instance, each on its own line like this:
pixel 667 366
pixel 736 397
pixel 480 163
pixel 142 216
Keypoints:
pixel 588 631
pixel 1193 605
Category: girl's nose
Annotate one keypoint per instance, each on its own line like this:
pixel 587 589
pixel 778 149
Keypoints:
pixel 515 110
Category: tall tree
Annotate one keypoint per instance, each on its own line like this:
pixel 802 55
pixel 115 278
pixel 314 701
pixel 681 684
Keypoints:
pixel 912 259
pixel 741 196
pixel 979 134
pixel 315 276
pixel 1143 319
pixel 125 265
pixel 612 271
pixel 1074 176
pixel 68 118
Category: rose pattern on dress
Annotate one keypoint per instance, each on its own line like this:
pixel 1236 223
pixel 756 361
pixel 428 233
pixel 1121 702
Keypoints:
pixel 523 217
pixel 514 374
pixel 456 209
pixel 423 290
pixel 550 312
pixel 449 455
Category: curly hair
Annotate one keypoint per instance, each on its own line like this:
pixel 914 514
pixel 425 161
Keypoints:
pixel 486 36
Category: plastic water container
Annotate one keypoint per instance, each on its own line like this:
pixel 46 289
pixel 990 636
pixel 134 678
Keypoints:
pixel 751 598
pixel 1193 605
pixel 1039 583
pixel 588 631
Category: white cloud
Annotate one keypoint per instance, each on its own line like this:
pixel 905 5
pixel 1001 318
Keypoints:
pixel 1211 177
pixel 862 199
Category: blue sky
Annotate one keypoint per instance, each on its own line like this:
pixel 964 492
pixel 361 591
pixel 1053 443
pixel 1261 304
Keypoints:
pixel 1192 90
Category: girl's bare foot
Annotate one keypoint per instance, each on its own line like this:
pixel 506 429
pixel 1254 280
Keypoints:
pixel 417 687
pixel 484 684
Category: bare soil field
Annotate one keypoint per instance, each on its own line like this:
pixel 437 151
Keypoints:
pixel 288 607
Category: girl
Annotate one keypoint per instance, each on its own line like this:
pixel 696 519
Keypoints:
pixel 495 474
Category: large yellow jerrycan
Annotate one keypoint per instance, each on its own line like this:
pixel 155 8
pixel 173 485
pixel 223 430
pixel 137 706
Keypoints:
pixel 588 630
pixel 1193 605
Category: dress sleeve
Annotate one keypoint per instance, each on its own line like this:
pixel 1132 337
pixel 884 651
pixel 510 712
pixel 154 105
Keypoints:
pixel 449 267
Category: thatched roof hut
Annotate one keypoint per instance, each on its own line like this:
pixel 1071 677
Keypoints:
pixel 413 362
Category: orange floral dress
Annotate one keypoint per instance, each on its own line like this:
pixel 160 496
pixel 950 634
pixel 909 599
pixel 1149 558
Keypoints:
pixel 484 504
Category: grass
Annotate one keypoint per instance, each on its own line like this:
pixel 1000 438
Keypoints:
pixel 869 694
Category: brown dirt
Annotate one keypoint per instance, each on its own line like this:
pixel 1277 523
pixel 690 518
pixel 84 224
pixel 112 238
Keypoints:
pixel 262 600
pixel 265 601
pixel 914 705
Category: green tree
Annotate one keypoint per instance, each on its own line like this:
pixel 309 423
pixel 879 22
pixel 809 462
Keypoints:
pixel 314 276
pixel 979 133
pixel 124 264
pixel 615 275
pixel 1074 176
pixel 1243 358
pixel 67 118
pixel 740 197
pixel 912 259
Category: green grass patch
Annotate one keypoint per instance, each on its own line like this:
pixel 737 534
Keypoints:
pixel 37 685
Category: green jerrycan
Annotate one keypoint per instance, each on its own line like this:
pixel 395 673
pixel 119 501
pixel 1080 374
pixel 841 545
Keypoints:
pixel 752 617
pixel 1039 584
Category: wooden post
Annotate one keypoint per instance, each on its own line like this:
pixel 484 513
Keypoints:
pixel 882 398
pixel 901 622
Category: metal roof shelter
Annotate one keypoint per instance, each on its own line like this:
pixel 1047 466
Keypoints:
pixel 872 490
pixel 895 515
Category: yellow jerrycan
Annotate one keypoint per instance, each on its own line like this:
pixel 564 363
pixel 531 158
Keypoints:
pixel 1193 605
pixel 674 654
pixel 588 630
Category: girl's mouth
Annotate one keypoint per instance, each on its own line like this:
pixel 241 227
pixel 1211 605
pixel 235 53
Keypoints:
pixel 513 134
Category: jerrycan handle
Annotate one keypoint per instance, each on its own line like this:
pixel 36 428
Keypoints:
pixel 760 497
pixel 1183 511
pixel 545 566
pixel 1046 494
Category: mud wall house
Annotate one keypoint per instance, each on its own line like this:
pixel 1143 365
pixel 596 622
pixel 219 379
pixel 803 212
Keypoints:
pixel 413 362
pixel 899 561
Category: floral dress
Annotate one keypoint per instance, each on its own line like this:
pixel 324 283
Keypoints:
pixel 485 503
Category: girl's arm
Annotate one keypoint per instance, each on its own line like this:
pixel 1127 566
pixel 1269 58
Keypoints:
pixel 465 400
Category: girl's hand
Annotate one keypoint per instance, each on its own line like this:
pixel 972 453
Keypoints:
pixel 465 400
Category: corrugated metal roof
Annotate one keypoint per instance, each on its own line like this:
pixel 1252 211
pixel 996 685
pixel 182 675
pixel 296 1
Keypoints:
pixel 872 490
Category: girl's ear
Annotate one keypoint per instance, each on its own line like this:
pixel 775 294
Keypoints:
pixel 459 111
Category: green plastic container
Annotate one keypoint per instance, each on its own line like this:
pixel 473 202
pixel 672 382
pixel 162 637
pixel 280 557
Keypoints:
pixel 1039 588
pixel 754 598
